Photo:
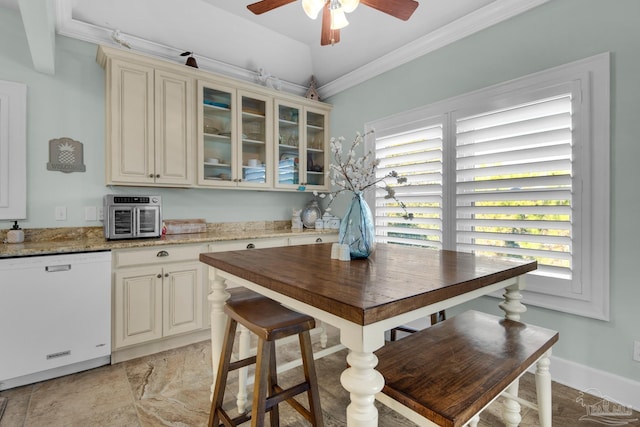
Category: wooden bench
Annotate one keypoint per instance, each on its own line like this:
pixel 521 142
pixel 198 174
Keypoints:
pixel 447 374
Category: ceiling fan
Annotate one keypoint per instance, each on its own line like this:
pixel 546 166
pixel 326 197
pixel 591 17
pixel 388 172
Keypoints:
pixel 333 11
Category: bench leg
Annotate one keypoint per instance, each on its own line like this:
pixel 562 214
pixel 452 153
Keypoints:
pixel 511 415
pixel 543 389
pixel 244 345
pixel 362 382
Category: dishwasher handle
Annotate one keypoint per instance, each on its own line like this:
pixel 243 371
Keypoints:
pixel 55 268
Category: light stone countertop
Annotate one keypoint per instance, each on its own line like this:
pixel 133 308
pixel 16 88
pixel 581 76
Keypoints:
pixel 47 241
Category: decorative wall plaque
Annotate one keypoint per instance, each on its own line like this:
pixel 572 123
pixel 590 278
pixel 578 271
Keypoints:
pixel 66 155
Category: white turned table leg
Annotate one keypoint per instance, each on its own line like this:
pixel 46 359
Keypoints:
pixel 323 334
pixel 543 389
pixel 217 298
pixel 511 415
pixel 244 346
pixel 473 422
pixel 362 381
pixel 511 305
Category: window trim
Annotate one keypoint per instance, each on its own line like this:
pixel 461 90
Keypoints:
pixel 593 77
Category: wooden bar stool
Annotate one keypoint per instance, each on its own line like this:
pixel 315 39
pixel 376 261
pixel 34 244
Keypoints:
pixel 270 321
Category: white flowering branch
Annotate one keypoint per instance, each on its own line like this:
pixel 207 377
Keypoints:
pixel 358 174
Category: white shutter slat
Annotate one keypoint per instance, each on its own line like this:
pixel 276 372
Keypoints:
pixel 522 210
pixel 418 157
pixel 563 180
pixel 428 133
pixel 417 146
pixel 541 108
pixel 522 252
pixel 563 165
pixel 538 225
pixel 560 151
pixel 411 242
pixel 505 196
pixel 541 139
pixel 516 237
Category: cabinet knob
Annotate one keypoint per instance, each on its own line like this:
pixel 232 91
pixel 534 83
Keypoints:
pixel 166 274
pixel 251 246
pixel 319 240
pixel 162 253
pixel 158 176
pixel 159 276
pixel 150 175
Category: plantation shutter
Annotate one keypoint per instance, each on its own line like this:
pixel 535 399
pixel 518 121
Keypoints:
pixel 514 183
pixel 416 155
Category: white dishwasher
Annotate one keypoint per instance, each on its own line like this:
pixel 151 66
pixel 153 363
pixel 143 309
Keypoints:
pixel 55 316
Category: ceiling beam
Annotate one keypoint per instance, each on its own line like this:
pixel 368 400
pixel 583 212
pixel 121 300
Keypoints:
pixel 38 18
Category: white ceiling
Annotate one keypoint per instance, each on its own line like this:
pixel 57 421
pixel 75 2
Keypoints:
pixel 226 37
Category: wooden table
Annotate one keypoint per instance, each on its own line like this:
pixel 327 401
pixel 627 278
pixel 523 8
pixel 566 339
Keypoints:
pixel 363 298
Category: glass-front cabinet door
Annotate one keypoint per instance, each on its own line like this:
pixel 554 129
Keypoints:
pixel 217 152
pixel 288 155
pixel 317 157
pixel 302 147
pixel 256 140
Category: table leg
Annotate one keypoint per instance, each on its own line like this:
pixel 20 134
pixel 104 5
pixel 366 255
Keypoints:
pixel 362 381
pixel 244 346
pixel 217 298
pixel 511 305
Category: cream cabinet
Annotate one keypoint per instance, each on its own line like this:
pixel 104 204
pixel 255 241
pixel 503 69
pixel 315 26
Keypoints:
pixel 158 292
pixel 303 146
pixel 169 125
pixel 150 125
pixel 235 137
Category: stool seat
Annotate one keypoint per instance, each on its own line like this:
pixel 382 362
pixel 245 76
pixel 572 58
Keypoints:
pixel 449 372
pixel 270 321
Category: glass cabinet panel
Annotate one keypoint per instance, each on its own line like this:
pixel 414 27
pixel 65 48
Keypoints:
pixel 256 131
pixel 288 155
pixel 316 158
pixel 218 124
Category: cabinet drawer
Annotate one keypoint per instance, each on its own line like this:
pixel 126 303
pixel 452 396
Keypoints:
pixel 237 245
pixel 156 255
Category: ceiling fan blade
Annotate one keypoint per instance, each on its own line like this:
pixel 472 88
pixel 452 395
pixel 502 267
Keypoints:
pixel 401 9
pixel 267 5
pixel 328 36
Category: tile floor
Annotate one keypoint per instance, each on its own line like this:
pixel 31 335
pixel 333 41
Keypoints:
pixel 172 389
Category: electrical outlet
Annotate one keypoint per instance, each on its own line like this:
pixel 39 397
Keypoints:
pixel 636 351
pixel 61 213
pixel 100 213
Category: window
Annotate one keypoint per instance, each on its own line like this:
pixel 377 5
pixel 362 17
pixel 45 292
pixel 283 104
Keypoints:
pixel 520 169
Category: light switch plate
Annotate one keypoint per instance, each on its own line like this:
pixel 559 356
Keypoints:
pixel 90 213
pixel 61 213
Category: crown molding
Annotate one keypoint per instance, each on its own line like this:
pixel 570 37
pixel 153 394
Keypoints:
pixel 69 27
pixel 492 14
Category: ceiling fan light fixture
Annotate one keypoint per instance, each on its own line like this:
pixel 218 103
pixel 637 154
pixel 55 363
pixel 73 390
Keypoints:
pixel 349 5
pixel 338 19
pixel 312 7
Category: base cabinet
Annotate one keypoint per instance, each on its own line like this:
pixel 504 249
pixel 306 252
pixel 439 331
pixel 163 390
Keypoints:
pixel 161 299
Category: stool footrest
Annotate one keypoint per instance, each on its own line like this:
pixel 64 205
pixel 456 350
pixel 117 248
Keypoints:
pixel 242 363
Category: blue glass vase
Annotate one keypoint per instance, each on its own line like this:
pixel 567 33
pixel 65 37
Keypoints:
pixel 356 228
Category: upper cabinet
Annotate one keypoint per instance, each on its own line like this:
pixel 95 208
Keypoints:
pixel 150 126
pixel 302 154
pixel 175 126
pixel 235 139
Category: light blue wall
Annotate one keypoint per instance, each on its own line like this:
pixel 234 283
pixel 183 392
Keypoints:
pixel 555 33
pixel 71 104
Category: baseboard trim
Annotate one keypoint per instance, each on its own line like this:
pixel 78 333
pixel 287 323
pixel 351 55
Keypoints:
pixel 609 386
